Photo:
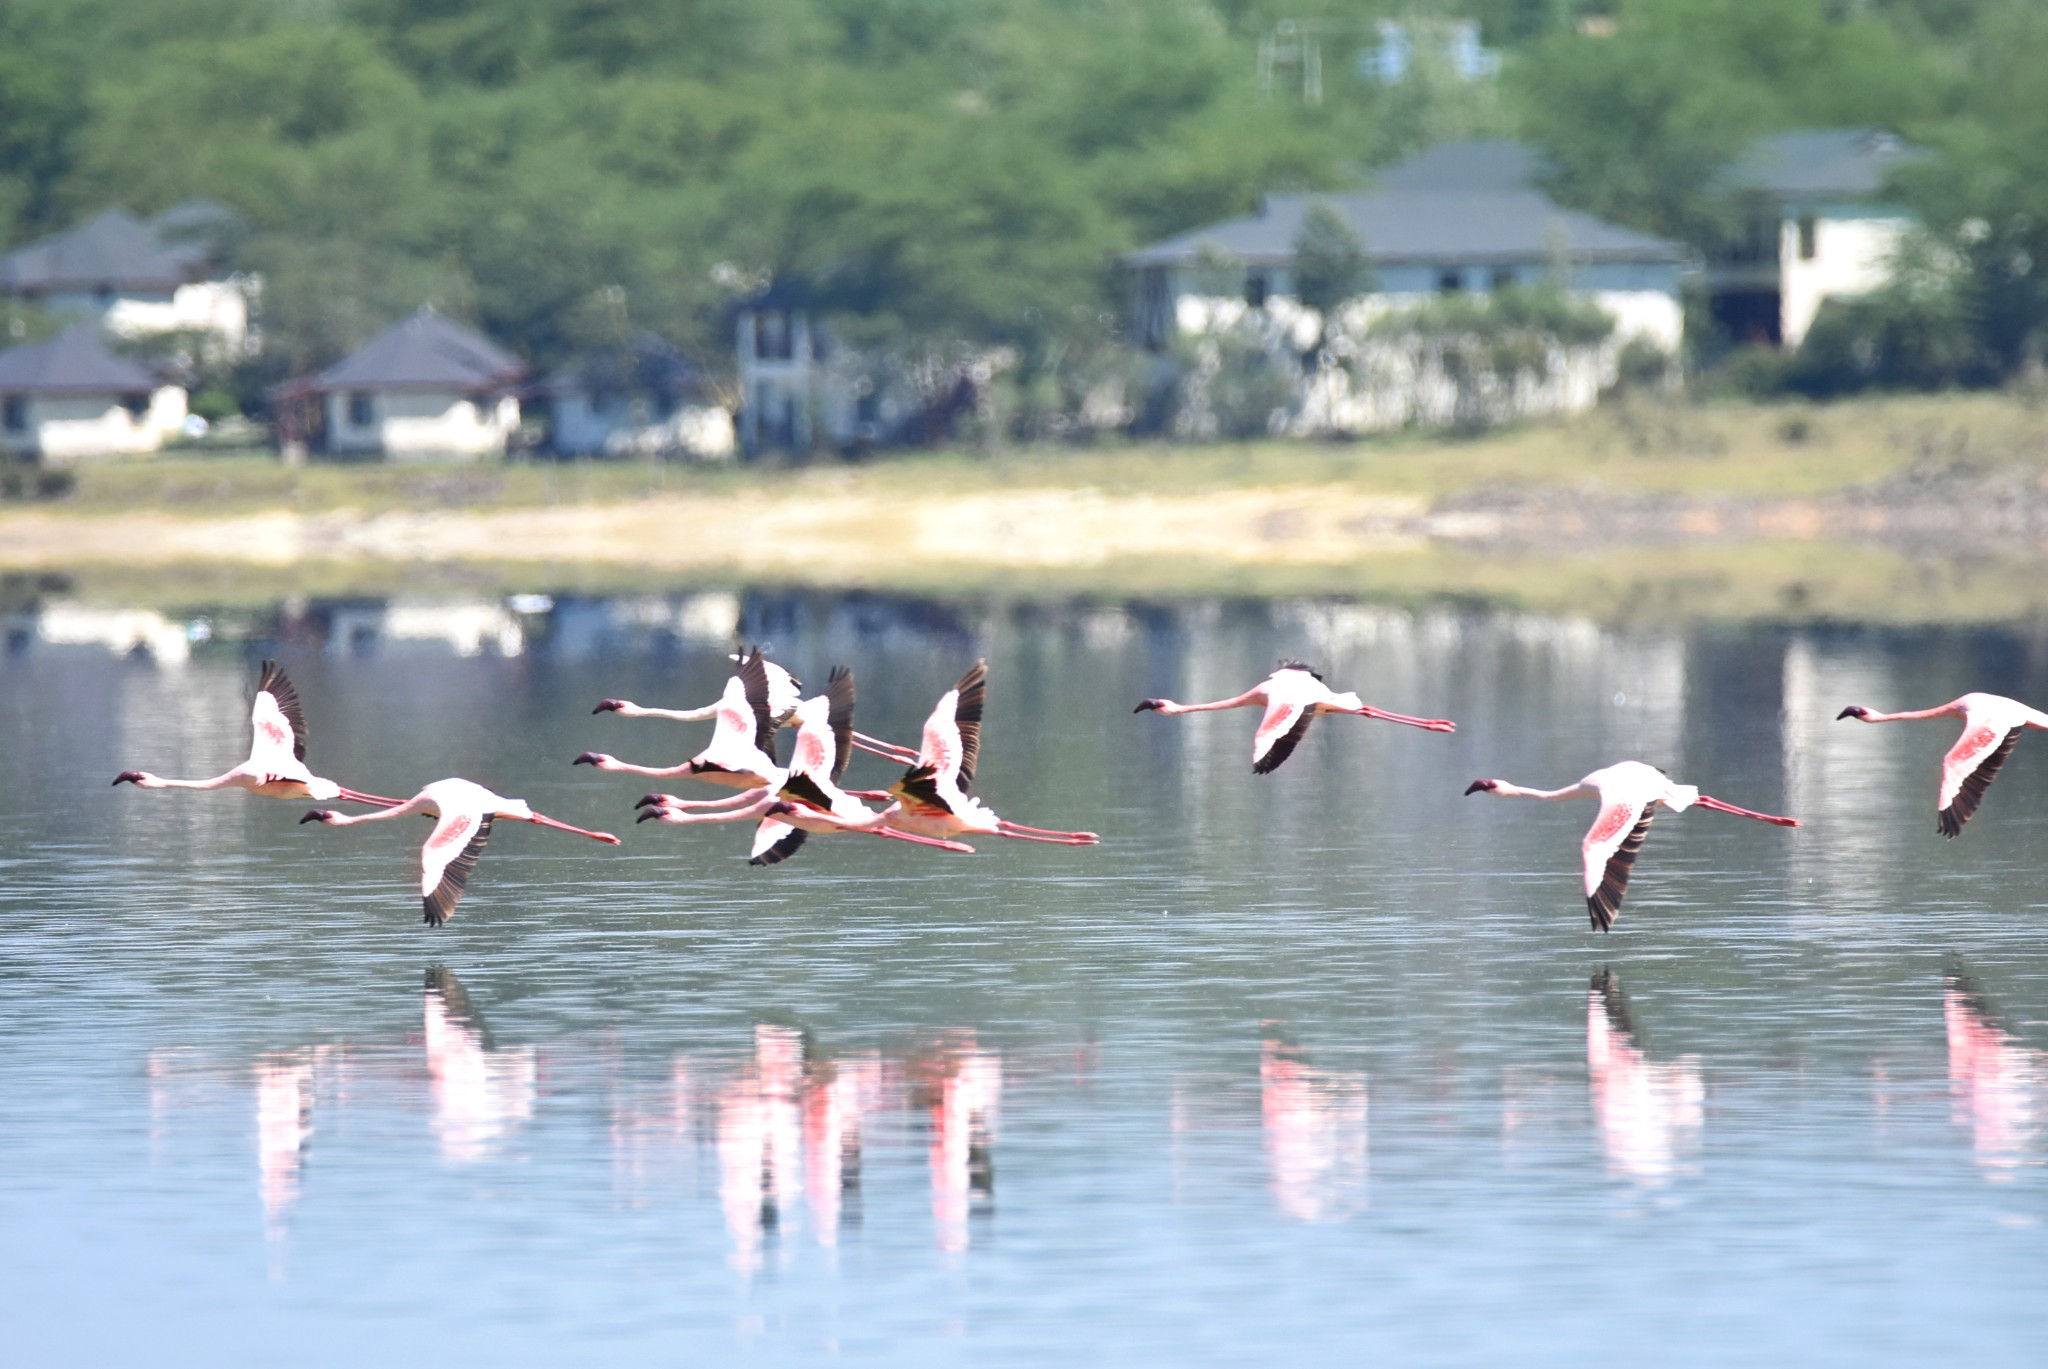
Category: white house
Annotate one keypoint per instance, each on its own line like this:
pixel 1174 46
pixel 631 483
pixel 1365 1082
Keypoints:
pixel 644 399
pixel 70 399
pixel 424 387
pixel 1814 225
pixel 138 277
pixel 1421 237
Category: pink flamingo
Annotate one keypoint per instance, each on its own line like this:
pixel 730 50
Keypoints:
pixel 932 797
pixel 465 811
pixel 785 692
pixel 276 767
pixel 1292 696
pixel 807 799
pixel 1992 725
pixel 1629 793
pixel 742 750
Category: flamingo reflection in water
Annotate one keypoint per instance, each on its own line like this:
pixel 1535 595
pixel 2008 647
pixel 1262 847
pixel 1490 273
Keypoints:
pixel 1997 1087
pixel 1315 1131
pixel 284 1124
pixel 481 1094
pixel 1649 1113
pixel 961 1086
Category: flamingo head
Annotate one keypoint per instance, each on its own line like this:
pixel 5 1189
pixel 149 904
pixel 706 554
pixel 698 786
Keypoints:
pixel 1482 787
pixel 319 815
pixel 651 814
pixel 1151 706
pixel 597 758
pixel 129 777
pixel 651 801
pixel 609 705
pixel 1853 711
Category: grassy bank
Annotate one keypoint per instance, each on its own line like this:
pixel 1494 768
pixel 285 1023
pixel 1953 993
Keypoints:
pixel 1391 519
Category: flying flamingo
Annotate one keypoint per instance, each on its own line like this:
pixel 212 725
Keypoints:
pixel 1292 696
pixel 1629 793
pixel 785 692
pixel 808 799
pixel 276 767
pixel 742 750
pixel 932 797
pixel 1992 725
pixel 465 811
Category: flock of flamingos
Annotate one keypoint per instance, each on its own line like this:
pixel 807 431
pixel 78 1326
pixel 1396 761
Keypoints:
pixel 931 804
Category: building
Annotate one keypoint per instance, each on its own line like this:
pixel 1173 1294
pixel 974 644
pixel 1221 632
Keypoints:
pixel 800 389
pixel 1813 223
pixel 1420 240
pixel 71 399
pixel 645 398
pixel 424 387
pixel 139 277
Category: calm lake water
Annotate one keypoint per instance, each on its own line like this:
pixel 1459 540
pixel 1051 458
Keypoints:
pixel 1319 1067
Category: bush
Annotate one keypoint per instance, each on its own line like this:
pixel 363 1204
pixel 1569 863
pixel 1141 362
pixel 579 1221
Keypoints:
pixel 1893 340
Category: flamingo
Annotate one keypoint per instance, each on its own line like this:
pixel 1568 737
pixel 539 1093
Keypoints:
pixel 785 692
pixel 742 750
pixel 808 798
pixel 932 797
pixel 1292 696
pixel 276 767
pixel 465 811
pixel 1992 725
pixel 1629 793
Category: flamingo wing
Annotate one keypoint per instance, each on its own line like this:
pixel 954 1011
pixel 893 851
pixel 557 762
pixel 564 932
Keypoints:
pixel 447 860
pixel 753 678
pixel 277 716
pixel 968 697
pixel 1967 771
pixel 919 791
pixel 1610 849
pixel 1280 731
pixel 839 716
pixel 775 842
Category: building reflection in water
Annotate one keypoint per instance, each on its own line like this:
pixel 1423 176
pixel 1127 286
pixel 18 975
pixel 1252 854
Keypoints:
pixel 480 1095
pixel 1314 1122
pixel 1649 1114
pixel 1997 1087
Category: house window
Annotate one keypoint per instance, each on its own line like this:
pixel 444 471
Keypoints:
pixel 14 414
pixel 868 407
pixel 772 335
pixel 1255 288
pixel 1808 231
pixel 1503 277
pixel 1450 282
pixel 362 409
pixel 136 405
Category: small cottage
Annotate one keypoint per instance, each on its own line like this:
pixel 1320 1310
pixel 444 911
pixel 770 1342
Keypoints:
pixel 71 399
pixel 641 399
pixel 425 387
pixel 137 277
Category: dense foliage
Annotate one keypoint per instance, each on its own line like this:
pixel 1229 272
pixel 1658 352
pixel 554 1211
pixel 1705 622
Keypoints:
pixel 569 172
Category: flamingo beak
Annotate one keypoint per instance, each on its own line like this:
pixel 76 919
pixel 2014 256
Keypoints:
pixel 648 814
pixel 1852 711
pixel 651 800
pixel 1148 706
pixel 128 777
pixel 587 758
pixel 317 815
pixel 1481 786
pixel 608 706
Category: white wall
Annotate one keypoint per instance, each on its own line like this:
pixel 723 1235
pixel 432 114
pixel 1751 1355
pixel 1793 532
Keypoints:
pixel 63 428
pixel 422 423
pixel 702 431
pixel 1852 256
pixel 219 307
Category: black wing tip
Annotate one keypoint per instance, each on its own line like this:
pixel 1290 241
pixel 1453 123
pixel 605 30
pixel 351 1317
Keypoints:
pixel 1949 823
pixel 1602 912
pixel 437 914
pixel 1283 745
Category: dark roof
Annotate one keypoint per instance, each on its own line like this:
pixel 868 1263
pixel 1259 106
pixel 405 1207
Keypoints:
pixel 198 232
pixel 1474 164
pixel 1823 163
pixel 114 250
pixel 648 364
pixel 75 361
pixel 1421 227
pixel 424 352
